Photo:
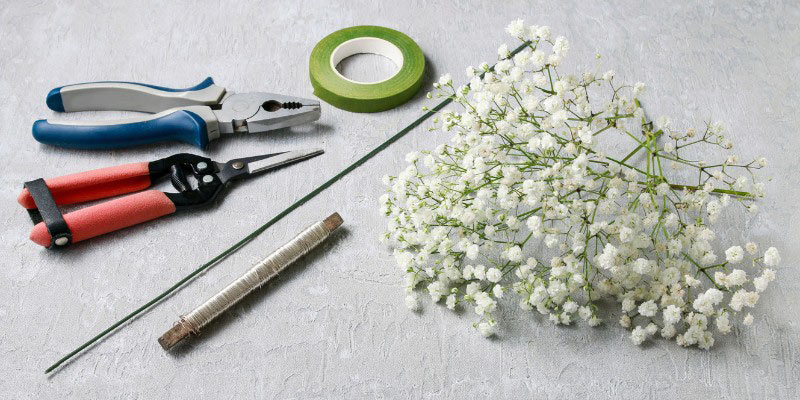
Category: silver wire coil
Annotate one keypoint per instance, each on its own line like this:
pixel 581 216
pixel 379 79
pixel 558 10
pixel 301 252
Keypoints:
pixel 260 273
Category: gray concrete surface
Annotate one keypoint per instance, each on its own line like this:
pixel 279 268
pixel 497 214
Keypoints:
pixel 336 325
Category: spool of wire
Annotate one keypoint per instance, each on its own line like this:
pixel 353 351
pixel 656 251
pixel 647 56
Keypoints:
pixel 304 242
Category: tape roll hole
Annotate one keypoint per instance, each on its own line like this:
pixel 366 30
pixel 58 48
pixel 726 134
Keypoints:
pixel 367 45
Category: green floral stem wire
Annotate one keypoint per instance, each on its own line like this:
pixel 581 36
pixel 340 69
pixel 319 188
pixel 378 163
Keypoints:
pixel 264 227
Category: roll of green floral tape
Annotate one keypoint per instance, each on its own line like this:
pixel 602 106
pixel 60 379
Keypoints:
pixel 332 87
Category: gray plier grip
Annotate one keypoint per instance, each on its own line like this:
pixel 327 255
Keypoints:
pixel 131 96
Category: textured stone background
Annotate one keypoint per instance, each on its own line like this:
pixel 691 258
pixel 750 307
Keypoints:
pixel 336 326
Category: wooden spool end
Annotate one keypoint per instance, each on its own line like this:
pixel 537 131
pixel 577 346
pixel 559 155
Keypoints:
pixel 173 336
pixel 333 222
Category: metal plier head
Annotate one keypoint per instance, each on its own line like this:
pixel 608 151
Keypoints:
pixel 199 180
pixel 259 112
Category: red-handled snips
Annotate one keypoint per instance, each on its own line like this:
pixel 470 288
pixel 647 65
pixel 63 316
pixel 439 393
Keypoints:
pixel 41 197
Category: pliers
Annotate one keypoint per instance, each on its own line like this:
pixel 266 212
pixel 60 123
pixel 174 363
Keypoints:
pixel 195 115
pixel 198 181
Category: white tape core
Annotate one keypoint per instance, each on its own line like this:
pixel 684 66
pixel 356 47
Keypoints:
pixel 368 45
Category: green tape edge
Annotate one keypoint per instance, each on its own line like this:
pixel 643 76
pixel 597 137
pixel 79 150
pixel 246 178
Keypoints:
pixel 366 97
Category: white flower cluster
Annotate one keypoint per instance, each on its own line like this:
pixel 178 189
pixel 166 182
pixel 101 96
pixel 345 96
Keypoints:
pixel 527 199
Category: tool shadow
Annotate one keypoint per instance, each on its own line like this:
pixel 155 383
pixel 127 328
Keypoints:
pixel 291 138
pixel 277 140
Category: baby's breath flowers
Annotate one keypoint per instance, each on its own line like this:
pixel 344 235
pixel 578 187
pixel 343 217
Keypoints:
pixel 556 188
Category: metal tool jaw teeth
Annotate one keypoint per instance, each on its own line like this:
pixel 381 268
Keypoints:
pixel 261 112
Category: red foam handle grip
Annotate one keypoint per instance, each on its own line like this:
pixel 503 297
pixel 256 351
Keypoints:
pixel 93 185
pixel 110 216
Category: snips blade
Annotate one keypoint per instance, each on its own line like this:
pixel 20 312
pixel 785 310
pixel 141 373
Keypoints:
pixel 242 167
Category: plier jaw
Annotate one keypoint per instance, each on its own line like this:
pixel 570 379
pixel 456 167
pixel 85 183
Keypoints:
pixel 260 112
pixel 209 178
